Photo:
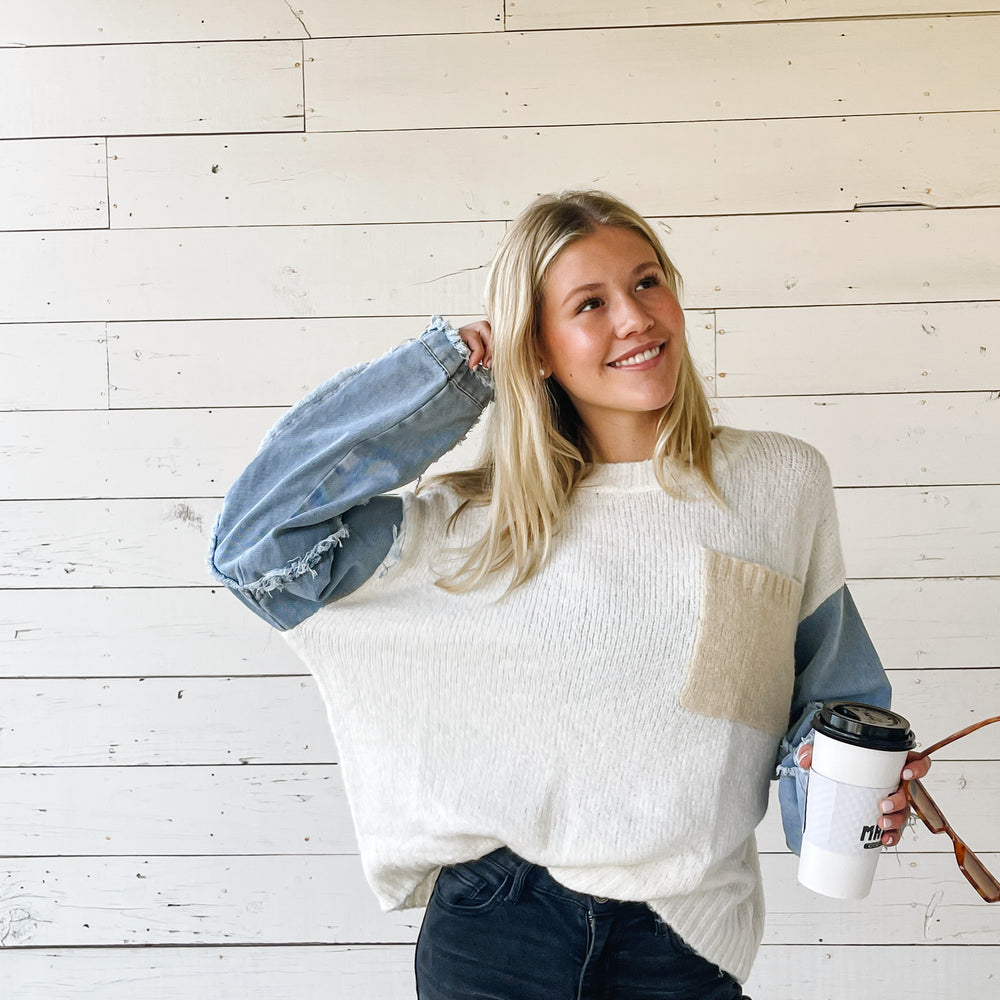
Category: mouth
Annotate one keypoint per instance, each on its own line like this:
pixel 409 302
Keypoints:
pixel 638 358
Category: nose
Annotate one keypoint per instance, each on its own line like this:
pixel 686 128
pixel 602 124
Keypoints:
pixel 630 317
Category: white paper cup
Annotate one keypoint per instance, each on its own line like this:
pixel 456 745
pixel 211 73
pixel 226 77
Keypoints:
pixel 858 754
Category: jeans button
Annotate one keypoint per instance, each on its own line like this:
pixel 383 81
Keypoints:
pixel 600 899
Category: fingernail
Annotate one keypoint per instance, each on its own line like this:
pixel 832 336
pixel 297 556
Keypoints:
pixel 908 774
pixel 886 806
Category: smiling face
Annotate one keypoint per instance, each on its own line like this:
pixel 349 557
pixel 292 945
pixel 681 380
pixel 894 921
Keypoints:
pixel 611 334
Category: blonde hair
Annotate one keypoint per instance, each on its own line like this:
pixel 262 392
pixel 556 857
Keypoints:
pixel 537 450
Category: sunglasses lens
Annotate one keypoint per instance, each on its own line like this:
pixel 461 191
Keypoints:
pixel 925 807
pixel 986 885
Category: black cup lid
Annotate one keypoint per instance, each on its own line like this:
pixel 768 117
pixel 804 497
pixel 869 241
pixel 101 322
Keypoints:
pixel 864 725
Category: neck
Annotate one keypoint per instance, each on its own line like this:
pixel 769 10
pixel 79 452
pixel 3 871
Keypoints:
pixel 624 444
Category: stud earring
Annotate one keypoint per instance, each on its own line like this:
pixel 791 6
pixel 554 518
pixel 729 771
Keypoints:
pixel 541 372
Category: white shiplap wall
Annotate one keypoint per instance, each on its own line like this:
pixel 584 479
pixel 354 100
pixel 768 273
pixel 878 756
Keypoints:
pixel 204 212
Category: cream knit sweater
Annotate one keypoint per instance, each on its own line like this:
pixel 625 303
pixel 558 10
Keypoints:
pixel 615 719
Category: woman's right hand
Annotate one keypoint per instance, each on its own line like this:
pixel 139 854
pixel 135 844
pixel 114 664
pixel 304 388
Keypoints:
pixel 478 337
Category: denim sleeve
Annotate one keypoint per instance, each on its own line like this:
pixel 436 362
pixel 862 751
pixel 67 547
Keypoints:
pixel 307 521
pixel 834 661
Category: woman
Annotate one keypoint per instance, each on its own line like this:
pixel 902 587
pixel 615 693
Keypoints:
pixel 560 681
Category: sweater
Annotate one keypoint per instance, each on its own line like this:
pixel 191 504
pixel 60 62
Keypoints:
pixel 617 718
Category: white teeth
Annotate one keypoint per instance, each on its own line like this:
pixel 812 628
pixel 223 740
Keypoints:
pixel 638 358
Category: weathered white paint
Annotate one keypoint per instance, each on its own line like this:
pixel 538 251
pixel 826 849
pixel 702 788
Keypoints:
pixel 164 631
pixel 324 900
pixel 887 532
pixel 688 168
pixel 148 89
pixel 538 14
pixel 280 720
pixel 247 273
pixel 386 973
pixel 934 347
pixel 141 630
pixel 67 22
pixel 947 438
pixel 191 363
pixel 256 272
pixel 919 532
pixel 276 809
pixel 690 73
pixel 53 366
pixel 53 184
pixel 935 623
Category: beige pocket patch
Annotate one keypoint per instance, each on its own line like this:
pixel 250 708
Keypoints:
pixel 743 665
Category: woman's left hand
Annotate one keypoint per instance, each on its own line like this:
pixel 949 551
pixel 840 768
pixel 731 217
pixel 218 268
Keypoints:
pixel 895 808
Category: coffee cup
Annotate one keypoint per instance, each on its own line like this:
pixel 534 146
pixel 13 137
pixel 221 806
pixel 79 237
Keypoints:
pixel 858 754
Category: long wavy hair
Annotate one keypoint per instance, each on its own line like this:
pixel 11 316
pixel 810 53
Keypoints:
pixel 537 450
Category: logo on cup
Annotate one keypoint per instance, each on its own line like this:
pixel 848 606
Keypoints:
pixel 871 836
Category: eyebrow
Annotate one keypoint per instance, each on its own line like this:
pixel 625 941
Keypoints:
pixel 594 285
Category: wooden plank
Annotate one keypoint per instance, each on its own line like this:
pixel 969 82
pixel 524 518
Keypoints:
pixel 190 363
pixel 274 809
pixel 934 347
pixel 66 22
pixel 153 720
pixel 56 902
pixel 917 970
pixel 119 89
pixel 137 453
pixel 158 543
pixel 886 533
pixel 248 273
pixel 186 363
pixel 932 623
pixel 386 973
pixel 712 73
pixel 739 167
pixel 281 720
pixel 151 631
pixel 178 811
pixel 944 438
pixel 532 15
pixel 53 366
pixel 53 184
pixel 920 532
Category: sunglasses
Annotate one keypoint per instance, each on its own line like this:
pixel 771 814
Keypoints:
pixel 981 879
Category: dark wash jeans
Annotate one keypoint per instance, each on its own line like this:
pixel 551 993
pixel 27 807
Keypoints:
pixel 500 928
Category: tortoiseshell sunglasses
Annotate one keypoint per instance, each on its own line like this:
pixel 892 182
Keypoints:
pixel 981 879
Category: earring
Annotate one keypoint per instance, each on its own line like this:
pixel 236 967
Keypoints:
pixel 541 372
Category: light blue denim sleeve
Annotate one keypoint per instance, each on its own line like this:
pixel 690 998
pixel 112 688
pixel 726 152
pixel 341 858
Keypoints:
pixel 834 661
pixel 307 521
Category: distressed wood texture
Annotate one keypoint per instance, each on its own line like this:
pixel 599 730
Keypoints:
pixel 53 184
pixel 944 438
pixel 281 720
pixel 191 363
pixel 201 631
pixel 696 73
pixel 149 631
pixel 279 810
pixel 887 532
pixel 67 22
pixel 53 366
pixel 323 900
pixel 147 89
pixel 373 973
pixel 302 271
pixel 539 14
pixel 248 273
pixel 739 167
pixel 933 347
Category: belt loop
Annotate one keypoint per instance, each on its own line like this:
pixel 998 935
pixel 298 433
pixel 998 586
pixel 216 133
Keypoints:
pixel 517 885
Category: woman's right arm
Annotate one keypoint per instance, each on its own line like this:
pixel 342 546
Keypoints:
pixel 307 521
